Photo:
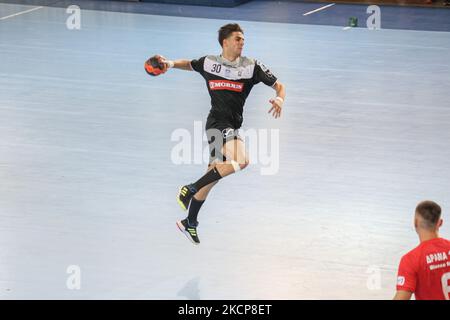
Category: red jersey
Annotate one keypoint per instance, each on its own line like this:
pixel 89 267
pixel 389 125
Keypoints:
pixel 425 270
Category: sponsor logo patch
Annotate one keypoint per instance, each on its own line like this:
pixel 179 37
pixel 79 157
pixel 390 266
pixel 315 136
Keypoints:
pixel 226 85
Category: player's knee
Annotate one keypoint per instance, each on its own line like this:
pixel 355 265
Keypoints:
pixel 240 165
pixel 244 164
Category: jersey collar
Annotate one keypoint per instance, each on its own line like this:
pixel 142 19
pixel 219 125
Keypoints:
pixel 229 63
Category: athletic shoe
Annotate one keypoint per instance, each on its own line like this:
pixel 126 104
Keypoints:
pixel 189 230
pixel 185 195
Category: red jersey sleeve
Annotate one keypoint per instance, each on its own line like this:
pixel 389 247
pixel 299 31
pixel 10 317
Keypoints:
pixel 407 274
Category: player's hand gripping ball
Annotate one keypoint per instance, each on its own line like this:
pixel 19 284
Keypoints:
pixel 155 66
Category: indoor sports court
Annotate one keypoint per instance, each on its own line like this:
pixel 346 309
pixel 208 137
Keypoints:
pixel 88 181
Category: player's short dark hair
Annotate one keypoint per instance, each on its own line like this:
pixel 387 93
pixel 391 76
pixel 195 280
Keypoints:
pixel 226 30
pixel 430 211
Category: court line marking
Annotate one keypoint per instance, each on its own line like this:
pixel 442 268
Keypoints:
pixel 19 13
pixel 319 9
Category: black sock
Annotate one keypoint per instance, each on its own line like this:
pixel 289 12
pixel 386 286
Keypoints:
pixel 194 208
pixel 209 177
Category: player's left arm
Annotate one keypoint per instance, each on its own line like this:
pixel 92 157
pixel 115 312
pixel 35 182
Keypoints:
pixel 402 295
pixel 278 101
pixel 406 277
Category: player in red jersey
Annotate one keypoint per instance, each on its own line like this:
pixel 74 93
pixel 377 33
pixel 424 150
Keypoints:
pixel 425 270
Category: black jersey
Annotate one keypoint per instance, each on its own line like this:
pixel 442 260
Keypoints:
pixel 229 84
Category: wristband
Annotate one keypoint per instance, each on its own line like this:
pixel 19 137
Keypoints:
pixel 169 63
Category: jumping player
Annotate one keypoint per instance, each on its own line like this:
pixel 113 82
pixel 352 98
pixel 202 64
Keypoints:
pixel 229 79
pixel 425 270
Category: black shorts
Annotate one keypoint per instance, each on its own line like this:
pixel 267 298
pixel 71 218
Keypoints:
pixel 218 134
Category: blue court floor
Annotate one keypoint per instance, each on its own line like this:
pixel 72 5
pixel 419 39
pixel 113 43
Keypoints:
pixel 88 178
pixel 392 17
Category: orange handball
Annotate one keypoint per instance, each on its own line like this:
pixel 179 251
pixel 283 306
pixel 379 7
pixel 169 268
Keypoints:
pixel 153 67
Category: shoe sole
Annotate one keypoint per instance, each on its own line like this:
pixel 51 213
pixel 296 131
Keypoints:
pixel 179 201
pixel 181 227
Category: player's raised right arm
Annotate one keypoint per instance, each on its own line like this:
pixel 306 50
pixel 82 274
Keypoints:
pixel 182 64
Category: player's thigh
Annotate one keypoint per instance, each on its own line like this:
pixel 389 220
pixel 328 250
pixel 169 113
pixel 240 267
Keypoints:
pixel 235 150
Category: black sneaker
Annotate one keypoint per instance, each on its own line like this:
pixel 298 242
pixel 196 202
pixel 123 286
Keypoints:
pixel 189 230
pixel 185 195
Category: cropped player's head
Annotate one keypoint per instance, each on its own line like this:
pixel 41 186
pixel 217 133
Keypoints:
pixel 428 216
pixel 231 39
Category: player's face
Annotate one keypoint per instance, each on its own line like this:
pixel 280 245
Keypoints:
pixel 235 43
